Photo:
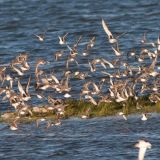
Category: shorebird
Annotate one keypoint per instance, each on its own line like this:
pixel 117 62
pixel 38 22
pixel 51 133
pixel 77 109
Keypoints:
pixel 62 40
pixel 67 95
pixel 86 115
pixel 18 70
pixel 158 43
pixel 108 32
pixel 105 98
pixel 14 126
pixel 24 95
pixel 154 98
pixel 108 74
pixel 38 72
pixel 95 90
pixel 49 124
pixel 44 85
pixel 40 37
pixel 151 68
pixel 119 98
pixel 80 75
pixel 39 121
pixel 144 117
pixel 39 96
pixel 52 78
pixel 85 90
pixel 91 43
pixel 131 53
pixel 15 100
pixel 58 54
pixel 144 41
pixel 58 122
pixel 73 51
pixel 8 91
pixel 91 99
pixel 10 79
pixel 64 85
pixel 123 115
pixel 85 52
pixel 38 63
pixel 24 67
pixel 2 74
pixel 92 68
pixel 24 110
pixel 143 146
pixel 2 90
pixel 116 50
pixel 23 57
pixel 100 61
pixel 54 101
pixel 69 60
pixel 75 46
pixel 107 62
pixel 20 64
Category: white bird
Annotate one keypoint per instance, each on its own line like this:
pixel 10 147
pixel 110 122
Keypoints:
pixel 62 40
pixel 24 94
pixel 142 145
pixel 91 99
pixel 117 51
pixel 67 95
pixel 84 116
pixel 123 115
pixel 19 72
pixel 119 98
pixel 40 37
pixel 107 62
pixel 13 126
pixel 144 117
pixel 58 123
pixel 39 96
pixel 158 43
pixel 39 120
pixel 109 34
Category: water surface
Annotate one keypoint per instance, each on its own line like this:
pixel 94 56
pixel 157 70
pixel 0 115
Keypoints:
pixel 99 138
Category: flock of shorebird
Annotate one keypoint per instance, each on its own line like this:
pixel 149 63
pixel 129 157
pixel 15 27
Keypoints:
pixel 119 79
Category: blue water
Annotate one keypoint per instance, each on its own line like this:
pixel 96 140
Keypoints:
pixel 99 138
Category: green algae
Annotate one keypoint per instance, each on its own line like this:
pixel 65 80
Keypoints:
pixel 77 108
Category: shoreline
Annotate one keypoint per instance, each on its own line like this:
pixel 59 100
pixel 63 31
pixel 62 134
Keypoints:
pixel 82 109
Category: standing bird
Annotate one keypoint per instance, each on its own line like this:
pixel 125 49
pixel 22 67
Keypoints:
pixel 142 145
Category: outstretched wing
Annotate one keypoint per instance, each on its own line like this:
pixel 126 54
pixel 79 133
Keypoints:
pixel 106 29
pixel 20 88
pixel 28 84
